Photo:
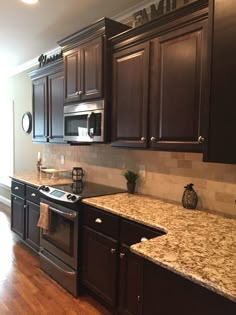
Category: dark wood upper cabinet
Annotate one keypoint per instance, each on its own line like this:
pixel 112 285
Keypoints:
pixel 40 128
pixel 177 82
pixel 130 96
pixel 159 80
pixel 48 100
pixel 83 71
pixel 220 140
pixel 72 68
pixel 55 106
pixel 87 60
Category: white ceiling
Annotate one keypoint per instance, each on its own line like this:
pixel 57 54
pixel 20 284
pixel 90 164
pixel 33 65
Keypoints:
pixel 27 31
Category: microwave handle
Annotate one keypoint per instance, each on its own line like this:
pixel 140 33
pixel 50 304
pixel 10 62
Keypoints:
pixel 88 124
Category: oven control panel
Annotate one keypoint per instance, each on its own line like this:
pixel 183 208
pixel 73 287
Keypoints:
pixel 57 194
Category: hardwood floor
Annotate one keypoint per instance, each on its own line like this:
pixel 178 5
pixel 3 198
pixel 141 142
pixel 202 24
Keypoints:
pixel 26 289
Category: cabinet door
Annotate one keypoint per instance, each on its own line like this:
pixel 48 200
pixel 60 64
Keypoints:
pixel 165 292
pixel 92 65
pixel 18 215
pixel 220 138
pixel 130 283
pixel 55 103
pixel 40 114
pixel 31 229
pixel 130 96
pixel 72 64
pixel 177 88
pixel 100 265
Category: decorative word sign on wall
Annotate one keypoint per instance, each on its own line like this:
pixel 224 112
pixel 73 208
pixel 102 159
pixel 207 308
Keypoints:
pixel 155 10
pixel 44 60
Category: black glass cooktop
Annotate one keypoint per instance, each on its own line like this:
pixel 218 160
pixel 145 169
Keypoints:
pixel 87 189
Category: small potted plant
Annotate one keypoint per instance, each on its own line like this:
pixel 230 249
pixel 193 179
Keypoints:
pixel 131 178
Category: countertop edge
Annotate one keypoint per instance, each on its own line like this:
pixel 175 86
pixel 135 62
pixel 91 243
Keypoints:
pixel 192 277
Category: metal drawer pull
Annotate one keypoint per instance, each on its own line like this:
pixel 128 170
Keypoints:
pixel 139 297
pixel 98 221
pixel 122 255
pixel 143 239
pixel 16 188
pixel 33 195
pixel 113 250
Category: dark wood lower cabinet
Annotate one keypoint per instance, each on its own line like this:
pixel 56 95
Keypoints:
pixel 18 215
pixel 130 282
pixel 166 293
pixel 25 201
pixel 31 230
pixel 100 265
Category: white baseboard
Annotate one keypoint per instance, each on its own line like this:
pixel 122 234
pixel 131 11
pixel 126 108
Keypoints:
pixel 6 201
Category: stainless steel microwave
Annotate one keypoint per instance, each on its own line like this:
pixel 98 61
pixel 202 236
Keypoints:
pixel 84 122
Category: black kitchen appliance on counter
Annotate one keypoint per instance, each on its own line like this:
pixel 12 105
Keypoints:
pixel 59 245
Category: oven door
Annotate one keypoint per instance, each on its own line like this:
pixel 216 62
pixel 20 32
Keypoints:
pixel 61 239
pixel 83 126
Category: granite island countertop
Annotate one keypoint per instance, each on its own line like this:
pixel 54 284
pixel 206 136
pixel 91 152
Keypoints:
pixel 198 245
pixel 38 179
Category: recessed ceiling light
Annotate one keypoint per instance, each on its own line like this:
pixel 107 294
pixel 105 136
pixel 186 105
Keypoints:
pixel 30 1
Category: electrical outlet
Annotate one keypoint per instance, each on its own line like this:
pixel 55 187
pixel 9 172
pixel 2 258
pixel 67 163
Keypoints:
pixel 62 159
pixel 142 170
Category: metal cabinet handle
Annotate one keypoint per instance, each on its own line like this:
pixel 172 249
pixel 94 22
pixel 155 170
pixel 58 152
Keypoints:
pixel 139 297
pixel 25 206
pixel 112 250
pixel 143 139
pixel 122 255
pixel 16 188
pixel 98 221
pixel 201 139
pixel 153 139
pixel 76 93
pixel 80 92
pixel 143 239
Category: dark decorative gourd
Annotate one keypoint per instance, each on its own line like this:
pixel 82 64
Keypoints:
pixel 190 198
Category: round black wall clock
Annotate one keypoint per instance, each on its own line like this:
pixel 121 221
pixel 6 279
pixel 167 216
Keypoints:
pixel 27 122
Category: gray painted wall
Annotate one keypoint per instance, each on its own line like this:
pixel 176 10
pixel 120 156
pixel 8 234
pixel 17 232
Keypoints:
pixel 25 152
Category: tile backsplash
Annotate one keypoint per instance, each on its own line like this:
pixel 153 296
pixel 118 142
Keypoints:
pixel 162 174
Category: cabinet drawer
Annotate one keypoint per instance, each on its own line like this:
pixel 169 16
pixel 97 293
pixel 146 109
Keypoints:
pixel 18 188
pixel 101 221
pixel 32 194
pixel 132 233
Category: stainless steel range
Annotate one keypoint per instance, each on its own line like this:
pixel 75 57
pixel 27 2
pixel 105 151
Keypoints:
pixel 59 245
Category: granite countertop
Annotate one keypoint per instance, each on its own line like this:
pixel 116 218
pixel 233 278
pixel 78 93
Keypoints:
pixel 198 245
pixel 38 179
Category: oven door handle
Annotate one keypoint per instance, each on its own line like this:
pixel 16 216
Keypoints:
pixel 55 265
pixel 71 216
